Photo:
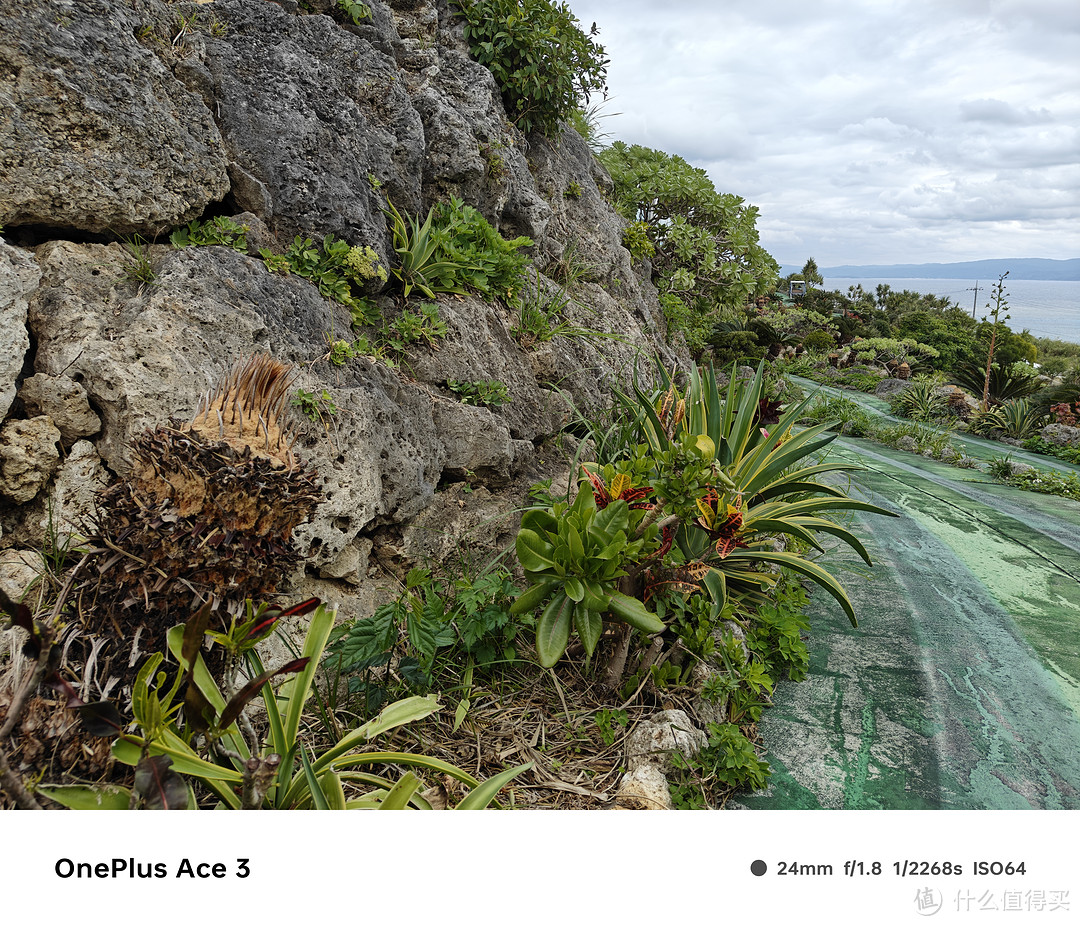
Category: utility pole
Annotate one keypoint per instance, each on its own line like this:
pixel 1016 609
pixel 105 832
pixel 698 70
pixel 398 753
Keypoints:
pixel 975 301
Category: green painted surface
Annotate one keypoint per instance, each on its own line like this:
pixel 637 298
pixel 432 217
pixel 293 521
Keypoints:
pixel 961 686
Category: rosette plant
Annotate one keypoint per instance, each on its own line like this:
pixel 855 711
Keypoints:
pixel 574 557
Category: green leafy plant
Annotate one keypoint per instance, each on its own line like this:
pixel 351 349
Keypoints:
pixel 1048 448
pixel 340 271
pixel 436 629
pixel 422 326
pixel 408 631
pixel 489 264
pixel 607 720
pixel 1020 418
pixel 635 239
pixel 729 761
pixel 544 64
pixel 1016 418
pixel 776 631
pixel 573 557
pixel 220 230
pixel 1014 381
pixel 491 392
pixel 355 10
pixel 314 407
pixel 840 413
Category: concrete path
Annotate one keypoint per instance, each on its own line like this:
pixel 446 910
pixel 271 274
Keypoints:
pixel 961 686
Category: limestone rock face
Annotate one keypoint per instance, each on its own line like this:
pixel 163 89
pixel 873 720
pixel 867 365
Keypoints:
pixel 19 276
pixel 28 457
pixel 317 116
pixel 96 133
pixel 64 401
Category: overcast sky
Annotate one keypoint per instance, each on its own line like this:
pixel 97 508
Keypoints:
pixel 916 131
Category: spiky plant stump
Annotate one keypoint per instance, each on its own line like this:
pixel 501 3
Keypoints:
pixel 207 511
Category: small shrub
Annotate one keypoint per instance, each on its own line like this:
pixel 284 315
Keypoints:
pixel 850 417
pixel 728 761
pixel 1049 483
pixel 1050 449
pixel 423 326
pixel 314 407
pixel 540 316
pixel 1065 414
pixel 819 341
pixel 544 64
pixel 635 238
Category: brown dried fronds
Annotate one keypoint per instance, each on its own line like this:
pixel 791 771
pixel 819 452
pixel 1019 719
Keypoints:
pixel 248 409
pixel 207 511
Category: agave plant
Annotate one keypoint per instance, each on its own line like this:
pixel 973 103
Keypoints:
pixel 921 401
pixel 1014 381
pixel 766 484
pixel 416 244
pixel 1017 418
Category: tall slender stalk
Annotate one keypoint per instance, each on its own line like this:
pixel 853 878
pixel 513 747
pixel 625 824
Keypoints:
pixel 998 294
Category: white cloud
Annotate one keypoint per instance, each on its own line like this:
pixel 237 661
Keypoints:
pixel 866 132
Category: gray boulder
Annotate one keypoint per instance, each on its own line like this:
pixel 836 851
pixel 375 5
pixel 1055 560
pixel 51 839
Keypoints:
pixel 64 401
pixel 889 387
pixel 1061 434
pixel 28 457
pixel 97 134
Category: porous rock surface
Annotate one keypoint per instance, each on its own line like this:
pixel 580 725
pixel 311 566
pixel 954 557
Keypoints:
pixel 123 118
pixel 97 135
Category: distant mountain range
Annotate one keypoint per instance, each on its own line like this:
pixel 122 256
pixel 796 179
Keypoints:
pixel 1023 268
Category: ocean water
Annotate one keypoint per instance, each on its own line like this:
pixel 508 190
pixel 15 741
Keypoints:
pixel 1046 308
